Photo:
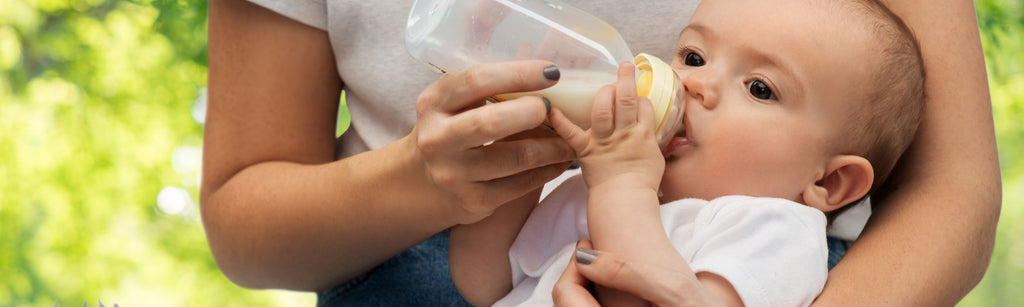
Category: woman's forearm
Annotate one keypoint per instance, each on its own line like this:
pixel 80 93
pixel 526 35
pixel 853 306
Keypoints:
pixel 931 235
pixel 278 211
pixel 288 225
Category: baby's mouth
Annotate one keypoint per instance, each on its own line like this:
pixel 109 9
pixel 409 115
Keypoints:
pixel 679 140
pixel 682 130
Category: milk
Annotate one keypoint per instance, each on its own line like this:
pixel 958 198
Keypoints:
pixel 574 94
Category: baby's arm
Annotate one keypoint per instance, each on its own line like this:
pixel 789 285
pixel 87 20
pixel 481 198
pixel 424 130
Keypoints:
pixel 478 253
pixel 622 166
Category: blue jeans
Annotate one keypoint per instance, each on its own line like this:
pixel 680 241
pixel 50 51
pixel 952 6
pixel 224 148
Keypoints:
pixel 836 250
pixel 420 277
pixel 416 277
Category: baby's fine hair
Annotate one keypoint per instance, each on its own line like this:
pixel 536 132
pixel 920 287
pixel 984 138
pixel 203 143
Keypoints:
pixel 883 127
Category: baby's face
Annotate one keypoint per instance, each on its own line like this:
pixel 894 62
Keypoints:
pixel 768 83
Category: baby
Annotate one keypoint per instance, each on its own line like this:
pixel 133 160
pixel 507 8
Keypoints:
pixel 794 109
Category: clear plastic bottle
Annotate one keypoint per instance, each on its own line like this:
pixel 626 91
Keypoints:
pixel 452 35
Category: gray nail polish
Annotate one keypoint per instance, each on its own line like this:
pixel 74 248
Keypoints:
pixel 547 104
pixel 552 73
pixel 585 256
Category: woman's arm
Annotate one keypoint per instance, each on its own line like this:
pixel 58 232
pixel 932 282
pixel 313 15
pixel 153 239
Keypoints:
pixel 661 285
pixel 930 238
pixel 279 212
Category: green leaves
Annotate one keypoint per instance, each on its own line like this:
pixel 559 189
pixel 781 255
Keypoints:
pixel 96 100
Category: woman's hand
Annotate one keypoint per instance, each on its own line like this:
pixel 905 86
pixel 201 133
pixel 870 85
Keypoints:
pixel 465 145
pixel 661 286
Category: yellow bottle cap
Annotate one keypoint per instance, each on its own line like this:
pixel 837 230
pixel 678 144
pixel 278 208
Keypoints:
pixel 658 82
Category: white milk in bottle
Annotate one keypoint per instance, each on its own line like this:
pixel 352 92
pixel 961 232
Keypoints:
pixel 451 35
pixel 574 94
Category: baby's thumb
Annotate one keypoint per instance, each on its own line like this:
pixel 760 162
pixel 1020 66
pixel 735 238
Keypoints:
pixel 566 129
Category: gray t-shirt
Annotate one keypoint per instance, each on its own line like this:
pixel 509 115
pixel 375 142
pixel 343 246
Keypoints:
pixel 382 81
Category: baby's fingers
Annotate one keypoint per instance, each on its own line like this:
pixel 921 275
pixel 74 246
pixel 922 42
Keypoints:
pixel 602 115
pixel 626 101
pixel 570 132
pixel 647 117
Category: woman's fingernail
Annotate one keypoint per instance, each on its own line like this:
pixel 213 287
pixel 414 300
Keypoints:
pixel 585 256
pixel 547 104
pixel 552 73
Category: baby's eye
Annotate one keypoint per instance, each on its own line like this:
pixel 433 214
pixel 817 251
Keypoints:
pixel 693 59
pixel 760 90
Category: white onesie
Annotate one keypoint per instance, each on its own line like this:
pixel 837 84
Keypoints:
pixel 771 250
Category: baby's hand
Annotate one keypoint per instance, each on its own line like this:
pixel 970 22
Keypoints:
pixel 620 145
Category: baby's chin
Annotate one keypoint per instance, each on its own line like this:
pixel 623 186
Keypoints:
pixel 669 195
pixel 678 185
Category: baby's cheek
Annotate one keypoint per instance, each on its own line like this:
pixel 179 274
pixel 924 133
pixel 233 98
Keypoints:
pixel 682 179
pixel 704 177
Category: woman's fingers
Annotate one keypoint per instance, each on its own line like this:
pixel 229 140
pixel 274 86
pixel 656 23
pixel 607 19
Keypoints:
pixel 506 158
pixel 461 89
pixel 496 121
pixel 450 110
pixel 571 289
pixel 452 126
pixel 515 186
pixel 661 286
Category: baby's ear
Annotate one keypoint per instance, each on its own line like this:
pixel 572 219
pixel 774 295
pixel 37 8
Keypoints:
pixel 846 179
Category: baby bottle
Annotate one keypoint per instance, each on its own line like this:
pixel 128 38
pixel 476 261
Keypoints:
pixel 451 35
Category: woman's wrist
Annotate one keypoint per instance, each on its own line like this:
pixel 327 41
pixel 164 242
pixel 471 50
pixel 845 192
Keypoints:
pixel 413 169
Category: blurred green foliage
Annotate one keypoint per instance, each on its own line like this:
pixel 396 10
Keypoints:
pixel 101 110
pixel 97 120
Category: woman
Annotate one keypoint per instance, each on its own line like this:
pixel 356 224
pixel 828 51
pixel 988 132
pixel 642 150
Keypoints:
pixel 287 205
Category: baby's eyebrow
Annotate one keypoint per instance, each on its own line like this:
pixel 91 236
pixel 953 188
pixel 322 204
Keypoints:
pixel 768 58
pixel 699 28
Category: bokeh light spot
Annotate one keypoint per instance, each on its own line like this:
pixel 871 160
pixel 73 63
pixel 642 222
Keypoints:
pixel 173 201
